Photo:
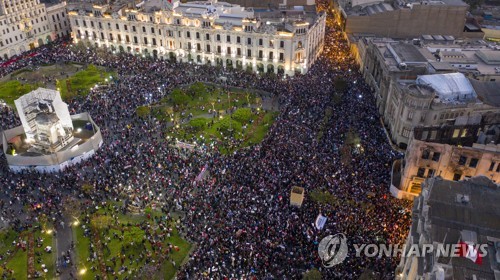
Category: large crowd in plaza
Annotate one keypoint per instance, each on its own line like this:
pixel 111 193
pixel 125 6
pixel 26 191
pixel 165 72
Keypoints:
pixel 239 217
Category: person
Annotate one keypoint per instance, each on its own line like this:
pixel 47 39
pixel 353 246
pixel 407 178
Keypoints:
pixel 244 192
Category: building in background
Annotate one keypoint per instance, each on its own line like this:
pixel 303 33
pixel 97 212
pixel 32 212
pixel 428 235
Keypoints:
pixel 454 152
pixel 421 82
pixel 58 19
pixel 449 212
pixel 402 18
pixel 28 24
pixel 217 33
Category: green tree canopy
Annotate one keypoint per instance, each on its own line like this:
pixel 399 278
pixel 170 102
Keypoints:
pixel 143 111
pixel 179 97
pixel 133 235
pixel 243 115
pixel 198 124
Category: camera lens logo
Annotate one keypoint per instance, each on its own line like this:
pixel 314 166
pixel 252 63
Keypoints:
pixel 333 249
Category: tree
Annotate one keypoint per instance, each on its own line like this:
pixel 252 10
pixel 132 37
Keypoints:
pixel 312 274
pixel 198 89
pixel 226 124
pixel 179 98
pixel 143 111
pixel 198 124
pixel 133 235
pixel 243 115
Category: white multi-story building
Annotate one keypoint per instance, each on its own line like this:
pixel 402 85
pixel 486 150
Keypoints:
pixel 58 20
pixel 218 33
pixel 27 24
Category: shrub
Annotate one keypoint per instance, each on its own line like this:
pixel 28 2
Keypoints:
pixel 226 123
pixel 198 124
pixel 242 115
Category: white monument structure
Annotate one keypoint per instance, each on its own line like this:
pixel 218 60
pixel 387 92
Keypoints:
pixel 46 120
pixel 49 139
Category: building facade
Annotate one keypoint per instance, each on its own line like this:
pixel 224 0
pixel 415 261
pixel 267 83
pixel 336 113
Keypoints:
pixel 58 20
pixel 448 213
pixel 414 83
pixel 402 19
pixel 26 25
pixel 207 33
pixel 451 152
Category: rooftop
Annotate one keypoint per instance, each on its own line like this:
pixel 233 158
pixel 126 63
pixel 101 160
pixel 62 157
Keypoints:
pixel 371 7
pixel 460 210
pixel 450 87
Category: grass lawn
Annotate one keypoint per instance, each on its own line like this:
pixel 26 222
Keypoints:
pixel 118 236
pixel 15 260
pixel 12 90
pixel 82 81
pixel 42 240
pixel 211 120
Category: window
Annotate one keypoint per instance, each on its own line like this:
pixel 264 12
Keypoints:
pixel 426 154
pixel 125 27
pixel 282 56
pixel 198 47
pixel 145 40
pixel 492 165
pixel 144 29
pixel 208 48
pixel 249 53
pixel 154 41
pixel 218 49
pixel 249 41
pixel 238 51
pixel 207 37
pixel 462 160
pixel 464 132
pixel 260 42
pixel 456 132
pixel 135 40
pixel 457 176
pixel 473 162
pixel 405 132
pixel 228 38
pixel 421 172
pixel 117 26
pixel 228 50
pixel 282 44
pixel 133 29
pixel 430 173
pixel 198 35
pixel 188 34
pixel 436 156
pixel 260 54
pixel 127 39
pixel 238 40
pixel 217 38
pixel 410 115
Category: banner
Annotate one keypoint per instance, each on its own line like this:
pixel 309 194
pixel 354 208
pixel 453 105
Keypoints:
pixel 202 173
pixel 320 222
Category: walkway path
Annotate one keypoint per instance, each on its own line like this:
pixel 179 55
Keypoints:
pixel 64 238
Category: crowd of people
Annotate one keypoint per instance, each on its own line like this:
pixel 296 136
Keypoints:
pixel 239 217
